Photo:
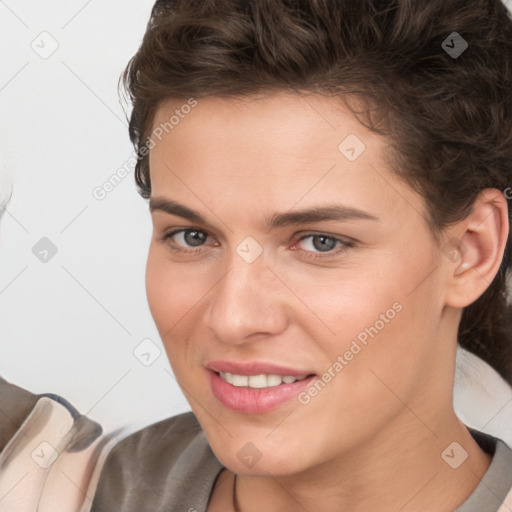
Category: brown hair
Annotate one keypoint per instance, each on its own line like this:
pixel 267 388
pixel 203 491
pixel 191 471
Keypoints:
pixel 447 118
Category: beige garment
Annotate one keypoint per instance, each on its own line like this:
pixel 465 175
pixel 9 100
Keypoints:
pixel 52 463
pixel 507 503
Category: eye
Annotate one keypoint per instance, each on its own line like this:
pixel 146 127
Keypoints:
pixel 317 245
pixel 186 237
pixel 324 244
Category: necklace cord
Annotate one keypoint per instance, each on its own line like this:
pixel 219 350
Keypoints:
pixel 235 503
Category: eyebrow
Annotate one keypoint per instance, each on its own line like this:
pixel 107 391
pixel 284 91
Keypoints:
pixel 277 220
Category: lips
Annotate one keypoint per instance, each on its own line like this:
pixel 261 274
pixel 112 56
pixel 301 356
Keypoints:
pixel 252 400
pixel 255 368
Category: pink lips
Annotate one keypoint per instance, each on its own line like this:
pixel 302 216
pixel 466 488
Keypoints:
pixel 250 400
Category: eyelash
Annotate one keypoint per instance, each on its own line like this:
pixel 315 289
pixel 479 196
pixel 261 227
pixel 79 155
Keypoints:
pixel 346 245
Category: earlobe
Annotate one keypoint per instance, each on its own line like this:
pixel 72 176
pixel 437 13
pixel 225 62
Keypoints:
pixel 481 241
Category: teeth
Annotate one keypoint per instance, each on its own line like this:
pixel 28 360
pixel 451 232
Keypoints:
pixel 259 381
pixel 240 380
pixel 274 380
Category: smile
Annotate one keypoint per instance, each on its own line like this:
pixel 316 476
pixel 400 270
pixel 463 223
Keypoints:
pixel 256 394
pixel 259 381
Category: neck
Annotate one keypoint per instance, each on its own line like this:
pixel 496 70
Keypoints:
pixel 401 469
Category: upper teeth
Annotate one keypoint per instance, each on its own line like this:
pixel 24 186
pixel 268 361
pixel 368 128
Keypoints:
pixel 259 381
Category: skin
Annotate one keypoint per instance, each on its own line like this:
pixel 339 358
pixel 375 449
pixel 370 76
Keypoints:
pixel 372 438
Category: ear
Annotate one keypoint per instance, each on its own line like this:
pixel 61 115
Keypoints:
pixel 475 247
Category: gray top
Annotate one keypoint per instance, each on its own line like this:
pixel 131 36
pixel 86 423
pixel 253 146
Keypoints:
pixel 497 480
pixel 170 467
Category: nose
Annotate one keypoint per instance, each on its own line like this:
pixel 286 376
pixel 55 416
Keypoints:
pixel 248 301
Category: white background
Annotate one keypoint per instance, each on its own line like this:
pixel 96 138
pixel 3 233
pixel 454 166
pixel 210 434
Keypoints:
pixel 70 325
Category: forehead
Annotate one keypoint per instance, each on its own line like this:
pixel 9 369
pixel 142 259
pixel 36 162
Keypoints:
pixel 279 131
pixel 260 113
pixel 283 149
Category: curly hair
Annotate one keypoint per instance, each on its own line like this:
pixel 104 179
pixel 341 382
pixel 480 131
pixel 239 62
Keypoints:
pixel 447 118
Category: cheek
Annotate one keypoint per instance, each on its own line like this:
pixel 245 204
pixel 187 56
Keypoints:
pixel 389 343
pixel 169 293
pixel 379 320
pixel 158 288
pixel 349 303
pixel 167 301
pixel 176 296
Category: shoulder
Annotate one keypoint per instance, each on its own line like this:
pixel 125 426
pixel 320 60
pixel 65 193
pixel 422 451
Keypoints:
pixel 174 433
pixel 18 407
pixel 43 437
pixel 164 466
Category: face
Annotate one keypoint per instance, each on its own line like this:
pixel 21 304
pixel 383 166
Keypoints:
pixel 349 298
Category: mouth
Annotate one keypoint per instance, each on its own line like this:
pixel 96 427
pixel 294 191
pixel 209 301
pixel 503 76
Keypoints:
pixel 245 391
pixel 260 381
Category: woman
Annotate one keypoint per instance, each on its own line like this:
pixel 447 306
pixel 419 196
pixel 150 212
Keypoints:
pixel 327 182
